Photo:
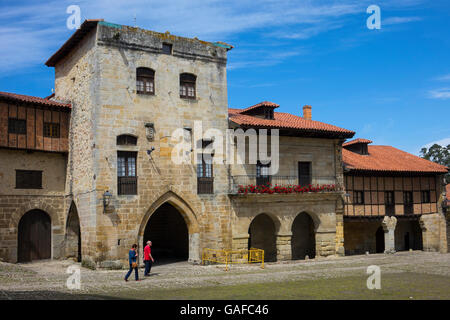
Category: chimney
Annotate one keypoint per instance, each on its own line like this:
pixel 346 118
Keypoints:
pixel 307 112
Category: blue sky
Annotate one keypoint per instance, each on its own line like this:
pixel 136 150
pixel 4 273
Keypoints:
pixel 390 85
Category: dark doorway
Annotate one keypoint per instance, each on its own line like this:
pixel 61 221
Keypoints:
pixel 169 234
pixel 303 242
pixel 262 236
pixel 408 235
pixel 34 236
pixel 73 234
pixel 379 238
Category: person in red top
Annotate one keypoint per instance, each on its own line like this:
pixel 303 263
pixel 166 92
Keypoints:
pixel 148 259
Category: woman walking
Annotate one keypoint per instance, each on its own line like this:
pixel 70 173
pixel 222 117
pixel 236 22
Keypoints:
pixel 132 259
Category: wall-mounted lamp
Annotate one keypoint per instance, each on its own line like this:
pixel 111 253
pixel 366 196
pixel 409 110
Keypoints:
pixel 151 150
pixel 106 198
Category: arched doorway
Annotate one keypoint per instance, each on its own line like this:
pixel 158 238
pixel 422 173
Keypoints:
pixel 168 232
pixel 379 240
pixel 262 236
pixel 303 242
pixel 34 236
pixel 73 234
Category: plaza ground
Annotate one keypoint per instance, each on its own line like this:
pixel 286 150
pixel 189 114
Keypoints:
pixel 404 275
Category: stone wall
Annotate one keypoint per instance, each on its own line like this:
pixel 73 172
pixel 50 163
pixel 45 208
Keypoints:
pixel 14 203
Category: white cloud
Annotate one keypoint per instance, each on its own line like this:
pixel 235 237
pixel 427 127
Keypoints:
pixel 443 78
pixel 442 93
pixel 398 20
pixel 443 142
pixel 30 33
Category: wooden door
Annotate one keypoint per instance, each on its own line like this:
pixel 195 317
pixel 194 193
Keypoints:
pixel 34 236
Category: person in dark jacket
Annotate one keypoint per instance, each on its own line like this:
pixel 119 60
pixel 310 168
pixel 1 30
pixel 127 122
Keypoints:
pixel 132 259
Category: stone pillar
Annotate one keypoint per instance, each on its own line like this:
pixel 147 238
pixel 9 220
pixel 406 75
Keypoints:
pixel 284 251
pixel 194 248
pixel 389 224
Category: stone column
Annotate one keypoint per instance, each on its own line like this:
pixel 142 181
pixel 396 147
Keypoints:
pixel 284 246
pixel 389 224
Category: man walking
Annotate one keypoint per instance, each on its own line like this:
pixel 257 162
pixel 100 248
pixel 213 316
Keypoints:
pixel 148 259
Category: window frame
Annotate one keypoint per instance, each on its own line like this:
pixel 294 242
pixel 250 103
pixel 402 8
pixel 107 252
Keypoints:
pixel 127 178
pixel 427 198
pixel 126 140
pixel 14 128
pixel 188 80
pixel 146 76
pixel 51 130
pixel 205 183
pixel 358 197
pixel 300 176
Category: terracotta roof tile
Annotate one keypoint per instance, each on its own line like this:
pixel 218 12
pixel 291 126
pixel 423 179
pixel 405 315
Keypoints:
pixel 261 104
pixel 356 141
pixel 389 159
pixel 286 121
pixel 35 100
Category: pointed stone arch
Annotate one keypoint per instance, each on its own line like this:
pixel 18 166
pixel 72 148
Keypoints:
pixel 185 210
pixel 72 237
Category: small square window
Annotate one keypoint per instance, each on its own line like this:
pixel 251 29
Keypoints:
pixel 358 197
pixel 28 179
pixel 167 48
pixel 17 126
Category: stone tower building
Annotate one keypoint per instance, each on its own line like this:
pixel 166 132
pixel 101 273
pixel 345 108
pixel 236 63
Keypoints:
pixel 115 124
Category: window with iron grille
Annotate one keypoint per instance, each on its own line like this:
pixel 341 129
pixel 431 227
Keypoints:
pixel 358 197
pixel 426 196
pixel 28 179
pixel 167 48
pixel 126 140
pixel 205 179
pixel 145 81
pixel 187 85
pixel 126 173
pixel 304 173
pixel 51 130
pixel 262 174
pixel 17 126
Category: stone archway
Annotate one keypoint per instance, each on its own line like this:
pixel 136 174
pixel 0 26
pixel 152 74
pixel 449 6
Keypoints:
pixel 73 234
pixel 262 235
pixel 169 234
pixel 303 242
pixel 34 236
pixel 408 235
pixel 181 218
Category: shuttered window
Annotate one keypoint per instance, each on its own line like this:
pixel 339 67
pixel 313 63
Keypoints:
pixel 187 85
pixel 51 130
pixel 28 179
pixel 17 126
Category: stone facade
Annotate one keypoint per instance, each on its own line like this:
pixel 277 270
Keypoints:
pixel 14 203
pixel 98 77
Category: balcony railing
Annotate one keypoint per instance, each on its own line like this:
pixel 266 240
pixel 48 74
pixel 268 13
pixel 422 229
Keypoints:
pixel 240 182
pixel 127 185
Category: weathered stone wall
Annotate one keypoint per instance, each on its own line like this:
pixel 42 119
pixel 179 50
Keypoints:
pixel 105 105
pixel 283 209
pixel 14 203
pixel 360 236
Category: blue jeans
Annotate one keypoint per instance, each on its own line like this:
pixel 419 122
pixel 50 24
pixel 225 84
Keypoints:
pixel 136 276
pixel 148 267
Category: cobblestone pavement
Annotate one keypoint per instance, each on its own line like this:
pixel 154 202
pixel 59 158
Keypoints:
pixel 47 279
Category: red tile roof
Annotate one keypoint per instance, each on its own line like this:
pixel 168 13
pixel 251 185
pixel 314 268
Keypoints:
pixel 349 143
pixel 261 104
pixel 389 159
pixel 286 121
pixel 34 100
